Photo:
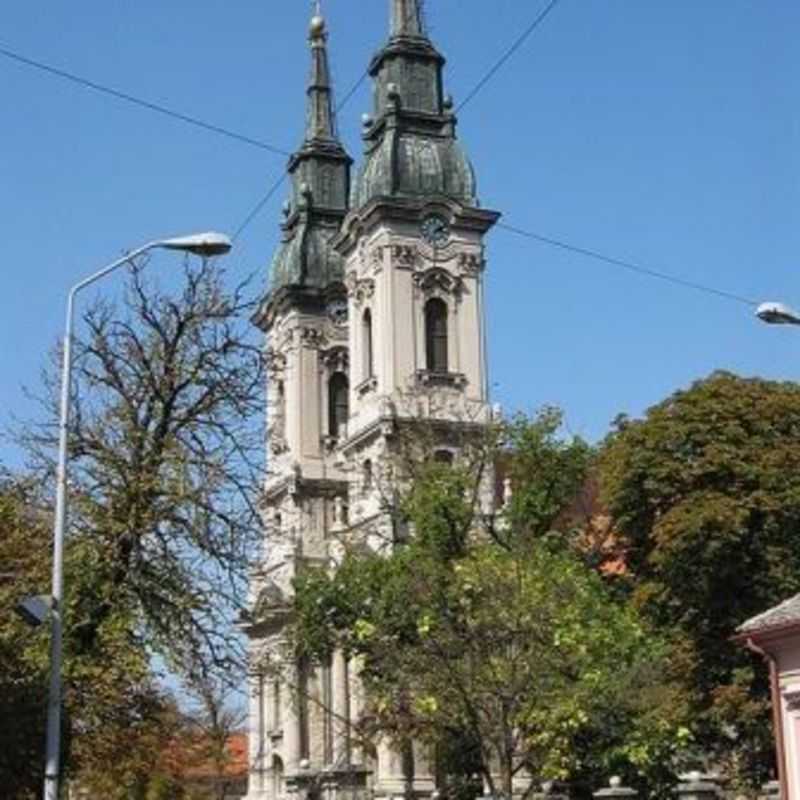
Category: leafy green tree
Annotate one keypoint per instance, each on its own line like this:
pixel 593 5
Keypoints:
pixel 491 632
pixel 704 493
pixel 23 677
pixel 109 696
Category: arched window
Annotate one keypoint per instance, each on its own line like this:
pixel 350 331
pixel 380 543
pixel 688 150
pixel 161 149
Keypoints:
pixel 444 457
pixel 338 404
pixel 278 785
pixel 366 482
pixel 436 335
pixel 279 420
pixel 366 343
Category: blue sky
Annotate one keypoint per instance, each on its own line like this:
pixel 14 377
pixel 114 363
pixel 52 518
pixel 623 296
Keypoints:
pixel 663 133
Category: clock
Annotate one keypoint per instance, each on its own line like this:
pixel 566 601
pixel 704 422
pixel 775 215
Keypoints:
pixel 337 311
pixel 435 230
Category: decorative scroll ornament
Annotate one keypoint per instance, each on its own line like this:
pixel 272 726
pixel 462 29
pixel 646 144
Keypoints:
pixel 360 289
pixel 275 363
pixel 470 263
pixel 313 338
pixel 404 255
pixel 438 281
pixel 336 359
pixel 276 432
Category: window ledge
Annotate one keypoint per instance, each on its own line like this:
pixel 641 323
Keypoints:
pixel 429 378
pixel 367 386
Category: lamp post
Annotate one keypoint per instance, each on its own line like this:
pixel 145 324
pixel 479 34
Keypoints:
pixel 202 244
pixel 777 314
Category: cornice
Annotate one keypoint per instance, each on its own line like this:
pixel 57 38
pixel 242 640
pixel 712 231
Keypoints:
pixel 406 209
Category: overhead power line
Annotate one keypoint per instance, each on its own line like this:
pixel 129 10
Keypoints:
pixel 540 18
pixel 586 252
pixel 629 265
pixel 256 210
pixel 510 52
pixel 258 206
pixel 138 101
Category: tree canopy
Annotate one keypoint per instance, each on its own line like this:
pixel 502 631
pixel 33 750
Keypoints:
pixel 109 690
pixel 165 447
pixel 490 632
pixel 165 452
pixel 704 493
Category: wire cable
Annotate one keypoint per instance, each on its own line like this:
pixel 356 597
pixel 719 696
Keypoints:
pixel 259 206
pixel 274 188
pixel 353 89
pixel 137 101
pixel 628 265
pixel 251 216
pixel 510 52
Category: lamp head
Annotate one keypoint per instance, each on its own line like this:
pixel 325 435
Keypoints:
pixel 200 244
pixel 35 610
pixel 777 314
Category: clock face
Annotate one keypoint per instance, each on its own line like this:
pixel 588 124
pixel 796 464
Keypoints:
pixel 337 311
pixel 435 230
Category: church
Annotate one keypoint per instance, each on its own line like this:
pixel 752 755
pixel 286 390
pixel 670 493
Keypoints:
pixel 374 320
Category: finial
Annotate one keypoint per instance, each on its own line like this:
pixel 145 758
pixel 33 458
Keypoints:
pixel 320 116
pixel 317 24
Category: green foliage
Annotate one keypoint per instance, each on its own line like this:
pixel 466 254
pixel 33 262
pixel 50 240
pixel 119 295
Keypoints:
pixel 705 495
pixel 490 632
pixel 439 503
pixel 23 676
pixel 164 471
pixel 109 698
pixel 547 471
pixel 165 462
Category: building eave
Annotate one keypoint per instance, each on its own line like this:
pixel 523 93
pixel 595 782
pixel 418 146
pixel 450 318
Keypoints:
pixel 411 209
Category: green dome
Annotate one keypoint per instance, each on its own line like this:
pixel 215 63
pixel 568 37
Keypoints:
pixel 307 259
pixel 412 165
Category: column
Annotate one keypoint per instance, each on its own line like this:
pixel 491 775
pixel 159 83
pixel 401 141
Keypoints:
pixel 424 782
pixel 394 768
pixel 341 711
pixel 290 724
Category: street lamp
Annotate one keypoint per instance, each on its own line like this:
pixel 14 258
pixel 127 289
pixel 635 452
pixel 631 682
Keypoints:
pixel 202 244
pixel 777 314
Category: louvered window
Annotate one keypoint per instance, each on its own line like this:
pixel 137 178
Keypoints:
pixel 436 335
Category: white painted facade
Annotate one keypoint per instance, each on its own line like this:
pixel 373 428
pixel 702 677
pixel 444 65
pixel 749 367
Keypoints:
pixel 411 347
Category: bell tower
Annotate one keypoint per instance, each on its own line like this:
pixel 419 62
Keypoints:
pixel 304 317
pixel 375 328
pixel 414 262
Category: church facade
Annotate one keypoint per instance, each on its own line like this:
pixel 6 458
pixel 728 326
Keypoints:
pixel 374 320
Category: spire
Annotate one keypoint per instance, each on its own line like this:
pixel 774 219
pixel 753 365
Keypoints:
pixel 320 117
pixel 410 138
pixel 320 175
pixel 407 18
